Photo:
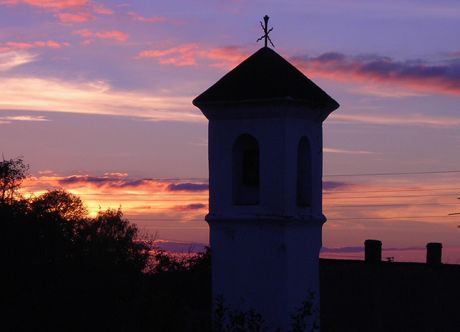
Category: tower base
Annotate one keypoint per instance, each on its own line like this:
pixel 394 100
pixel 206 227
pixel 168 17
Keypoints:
pixel 266 268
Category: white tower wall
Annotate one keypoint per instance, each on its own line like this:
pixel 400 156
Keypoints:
pixel 265 256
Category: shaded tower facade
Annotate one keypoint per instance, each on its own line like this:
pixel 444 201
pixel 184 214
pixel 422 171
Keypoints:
pixel 265 186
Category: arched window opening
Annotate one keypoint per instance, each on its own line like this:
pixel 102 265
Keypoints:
pixel 304 176
pixel 246 171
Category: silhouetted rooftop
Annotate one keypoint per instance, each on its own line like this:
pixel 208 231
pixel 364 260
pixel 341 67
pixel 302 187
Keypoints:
pixel 388 296
pixel 266 76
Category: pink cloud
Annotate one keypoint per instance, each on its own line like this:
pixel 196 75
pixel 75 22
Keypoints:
pixel 148 19
pixel 418 75
pixel 48 4
pixel 66 11
pixel 102 10
pixel 115 34
pixel 227 57
pixel 12 45
pixel 79 17
pixel 183 55
pixel 191 54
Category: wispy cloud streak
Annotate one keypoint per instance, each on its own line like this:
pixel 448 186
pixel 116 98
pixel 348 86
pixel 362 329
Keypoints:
pixel 21 45
pixel 13 59
pixel 147 19
pixel 402 120
pixel 27 118
pixel 97 97
pixel 344 151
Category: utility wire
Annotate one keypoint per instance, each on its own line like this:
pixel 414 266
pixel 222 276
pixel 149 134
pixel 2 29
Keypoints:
pixel 333 191
pixel 393 173
pixel 393 205
pixel 394 196
pixel 333 218
pixel 387 218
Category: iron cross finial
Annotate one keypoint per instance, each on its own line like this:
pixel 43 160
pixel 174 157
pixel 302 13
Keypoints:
pixel 266 37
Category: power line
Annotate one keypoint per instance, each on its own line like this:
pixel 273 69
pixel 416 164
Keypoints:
pixel 393 173
pixel 393 205
pixel 333 218
pixel 387 218
pixel 161 220
pixel 330 192
pixel 394 196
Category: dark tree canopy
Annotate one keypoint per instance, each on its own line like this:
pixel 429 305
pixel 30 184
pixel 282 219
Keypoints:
pixel 59 203
pixel 12 173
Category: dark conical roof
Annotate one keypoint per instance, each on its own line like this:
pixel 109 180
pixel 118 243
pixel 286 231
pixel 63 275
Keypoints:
pixel 265 76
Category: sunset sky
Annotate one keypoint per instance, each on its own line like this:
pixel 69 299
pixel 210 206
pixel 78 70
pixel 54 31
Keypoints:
pixel 96 96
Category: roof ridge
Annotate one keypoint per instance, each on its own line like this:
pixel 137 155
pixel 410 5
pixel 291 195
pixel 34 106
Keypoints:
pixel 266 76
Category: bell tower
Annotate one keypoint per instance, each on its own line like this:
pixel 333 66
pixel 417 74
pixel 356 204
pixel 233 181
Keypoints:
pixel 265 186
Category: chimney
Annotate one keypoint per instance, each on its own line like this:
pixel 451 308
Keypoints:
pixel 373 251
pixel 433 253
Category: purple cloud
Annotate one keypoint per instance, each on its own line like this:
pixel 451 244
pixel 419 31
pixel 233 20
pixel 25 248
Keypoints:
pixel 332 185
pixel 115 182
pixel 187 186
pixel 188 207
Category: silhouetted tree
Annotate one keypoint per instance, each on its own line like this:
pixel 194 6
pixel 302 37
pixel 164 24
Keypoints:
pixel 59 203
pixel 12 173
pixel 109 241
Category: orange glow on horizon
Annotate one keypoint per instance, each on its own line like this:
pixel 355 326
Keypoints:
pixel 403 213
pixel 141 198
